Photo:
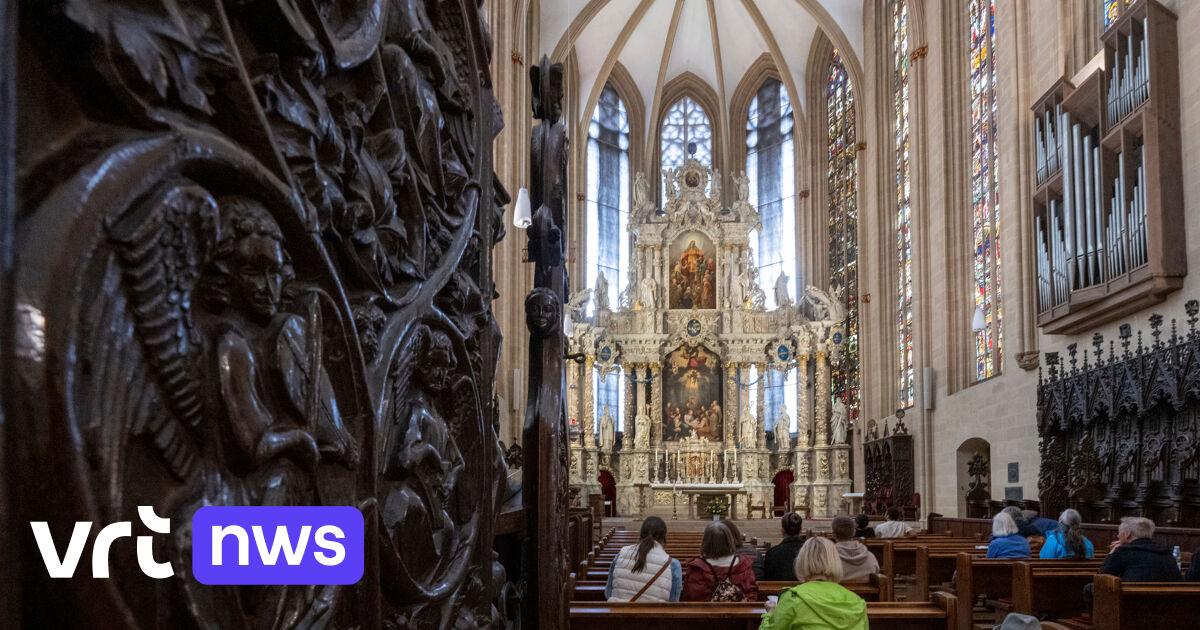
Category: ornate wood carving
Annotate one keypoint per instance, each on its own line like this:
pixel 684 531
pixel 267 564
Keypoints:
pixel 545 431
pixel 1119 428
pixel 254 268
pixel 890 474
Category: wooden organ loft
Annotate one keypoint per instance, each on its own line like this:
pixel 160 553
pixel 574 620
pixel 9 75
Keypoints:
pixel 1108 206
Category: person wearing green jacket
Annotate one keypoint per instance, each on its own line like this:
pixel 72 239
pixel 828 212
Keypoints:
pixel 819 602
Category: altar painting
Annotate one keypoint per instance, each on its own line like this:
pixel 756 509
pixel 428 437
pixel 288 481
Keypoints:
pixel 693 273
pixel 692 394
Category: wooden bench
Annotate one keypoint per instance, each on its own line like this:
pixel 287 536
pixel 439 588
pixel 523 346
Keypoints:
pixel 1144 604
pixel 938 614
pixel 1049 590
pixel 993 577
pixel 878 588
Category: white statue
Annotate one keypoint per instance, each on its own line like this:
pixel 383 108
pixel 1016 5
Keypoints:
pixel 716 185
pixel 669 183
pixel 743 187
pixel 825 308
pixel 646 293
pixel 608 434
pixel 577 303
pixel 782 298
pixel 641 190
pixel 641 426
pixel 838 423
pixel 752 294
pixel 783 430
pixel 601 292
pixel 749 430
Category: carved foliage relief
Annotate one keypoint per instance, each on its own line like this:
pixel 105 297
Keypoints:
pixel 253 267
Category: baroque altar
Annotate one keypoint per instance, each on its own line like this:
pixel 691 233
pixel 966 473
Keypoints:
pixel 693 343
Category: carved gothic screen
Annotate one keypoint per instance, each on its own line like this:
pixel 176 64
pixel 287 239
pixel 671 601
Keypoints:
pixel 904 267
pixel 1120 426
pixel 771 167
pixel 608 192
pixel 843 220
pixel 253 267
pixel 985 193
pixel 685 122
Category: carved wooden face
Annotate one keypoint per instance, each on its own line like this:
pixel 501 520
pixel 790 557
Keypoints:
pixel 439 363
pixel 256 275
pixel 541 314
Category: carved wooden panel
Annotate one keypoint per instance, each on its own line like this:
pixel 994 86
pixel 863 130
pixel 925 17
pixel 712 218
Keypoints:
pixel 890 476
pixel 1120 428
pixel 253 267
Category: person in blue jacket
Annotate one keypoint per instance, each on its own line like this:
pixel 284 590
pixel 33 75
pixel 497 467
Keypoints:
pixel 1067 541
pixel 1006 542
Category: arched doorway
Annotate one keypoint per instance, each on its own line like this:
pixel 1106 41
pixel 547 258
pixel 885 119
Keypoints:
pixel 783 490
pixel 608 488
pixel 973 455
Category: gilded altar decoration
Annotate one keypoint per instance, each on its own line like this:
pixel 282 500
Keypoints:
pixel 694 345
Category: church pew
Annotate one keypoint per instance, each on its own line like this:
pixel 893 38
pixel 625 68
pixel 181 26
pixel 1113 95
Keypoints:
pixel 878 588
pixel 938 614
pixel 1049 591
pixel 1144 604
pixel 899 556
pixel 994 577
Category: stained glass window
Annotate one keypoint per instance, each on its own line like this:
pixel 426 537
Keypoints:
pixel 904 293
pixel 608 195
pixel 780 390
pixel 985 198
pixel 686 121
pixel 843 222
pixel 1108 11
pixel 770 167
pixel 609 392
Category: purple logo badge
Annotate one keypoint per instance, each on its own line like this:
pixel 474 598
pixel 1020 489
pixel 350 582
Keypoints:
pixel 277 545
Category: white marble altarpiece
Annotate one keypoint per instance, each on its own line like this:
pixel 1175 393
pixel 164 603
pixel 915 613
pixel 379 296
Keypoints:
pixel 684 338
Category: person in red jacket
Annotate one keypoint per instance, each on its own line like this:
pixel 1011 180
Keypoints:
pixel 720 573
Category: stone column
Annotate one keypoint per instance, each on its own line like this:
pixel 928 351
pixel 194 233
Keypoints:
pixel 822 398
pixel 803 418
pixel 627 384
pixel 732 434
pixel 587 423
pixel 656 403
pixel 761 406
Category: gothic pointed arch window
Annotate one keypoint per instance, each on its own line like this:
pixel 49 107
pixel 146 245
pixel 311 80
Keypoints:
pixel 771 169
pixel 985 197
pixel 685 122
pixel 842 176
pixel 608 183
pixel 900 130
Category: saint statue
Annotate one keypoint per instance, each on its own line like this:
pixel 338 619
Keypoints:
pixel 608 434
pixel 669 183
pixel 642 428
pixel 641 190
pixel 743 187
pixel 782 298
pixel 749 430
pixel 716 186
pixel 646 293
pixel 838 423
pixel 601 292
pixel 783 430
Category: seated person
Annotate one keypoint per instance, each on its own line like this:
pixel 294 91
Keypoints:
pixel 746 550
pixel 862 520
pixel 857 561
pixel 894 527
pixel 819 602
pixel 1037 525
pixel 1006 542
pixel 1135 557
pixel 645 572
pixel 718 564
pixel 1067 541
pixel 779 565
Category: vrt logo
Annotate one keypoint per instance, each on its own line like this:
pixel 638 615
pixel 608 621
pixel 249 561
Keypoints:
pixel 64 566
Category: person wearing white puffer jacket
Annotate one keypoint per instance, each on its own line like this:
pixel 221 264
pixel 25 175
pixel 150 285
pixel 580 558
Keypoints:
pixel 644 572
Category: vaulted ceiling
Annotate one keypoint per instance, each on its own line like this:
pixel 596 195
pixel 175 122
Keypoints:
pixel 715 40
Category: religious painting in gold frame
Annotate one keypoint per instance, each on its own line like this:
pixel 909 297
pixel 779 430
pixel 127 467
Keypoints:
pixel 692 405
pixel 693 271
